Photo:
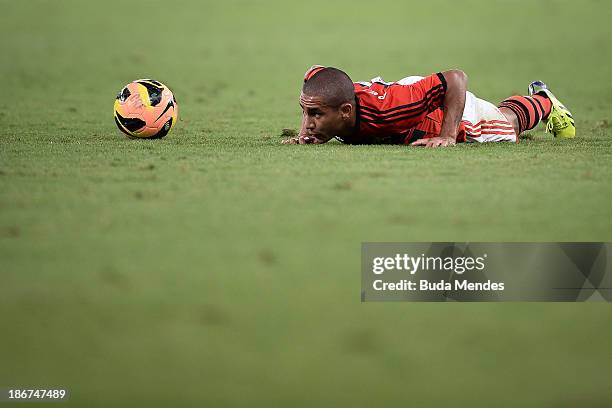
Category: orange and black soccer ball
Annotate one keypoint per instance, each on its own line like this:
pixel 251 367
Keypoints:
pixel 145 109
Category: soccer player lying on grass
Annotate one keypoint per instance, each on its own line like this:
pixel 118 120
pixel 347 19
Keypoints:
pixel 432 111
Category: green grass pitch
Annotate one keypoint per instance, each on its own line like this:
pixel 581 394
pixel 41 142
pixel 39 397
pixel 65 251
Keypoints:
pixel 219 268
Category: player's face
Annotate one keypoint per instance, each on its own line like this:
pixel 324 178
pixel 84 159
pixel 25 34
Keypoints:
pixel 322 122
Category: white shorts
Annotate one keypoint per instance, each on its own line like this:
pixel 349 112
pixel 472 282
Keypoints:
pixel 482 120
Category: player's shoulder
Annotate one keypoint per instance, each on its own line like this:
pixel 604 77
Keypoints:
pixel 378 94
pixel 369 94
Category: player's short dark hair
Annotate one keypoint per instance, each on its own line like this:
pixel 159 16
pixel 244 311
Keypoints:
pixel 331 84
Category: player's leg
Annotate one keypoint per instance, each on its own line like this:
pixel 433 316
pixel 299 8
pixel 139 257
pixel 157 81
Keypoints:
pixel 484 122
pixel 512 118
pixel 525 112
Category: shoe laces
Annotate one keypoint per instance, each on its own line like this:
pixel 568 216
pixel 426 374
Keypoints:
pixel 549 126
pixel 557 121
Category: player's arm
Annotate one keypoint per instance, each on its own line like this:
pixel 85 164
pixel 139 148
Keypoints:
pixel 453 104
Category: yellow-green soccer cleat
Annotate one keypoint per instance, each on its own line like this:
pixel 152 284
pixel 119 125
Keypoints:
pixel 560 121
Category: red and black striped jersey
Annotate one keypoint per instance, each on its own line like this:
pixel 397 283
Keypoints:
pixel 393 113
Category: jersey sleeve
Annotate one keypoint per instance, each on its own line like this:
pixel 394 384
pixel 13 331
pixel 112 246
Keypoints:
pixel 400 106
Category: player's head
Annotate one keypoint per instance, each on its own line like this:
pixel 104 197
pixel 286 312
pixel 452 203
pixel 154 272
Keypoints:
pixel 328 102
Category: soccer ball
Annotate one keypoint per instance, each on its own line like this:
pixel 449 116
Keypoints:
pixel 145 109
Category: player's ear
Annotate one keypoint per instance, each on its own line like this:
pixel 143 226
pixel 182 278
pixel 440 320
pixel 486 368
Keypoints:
pixel 346 109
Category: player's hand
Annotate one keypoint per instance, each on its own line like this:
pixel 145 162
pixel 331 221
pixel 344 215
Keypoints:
pixel 291 140
pixel 300 140
pixel 435 142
